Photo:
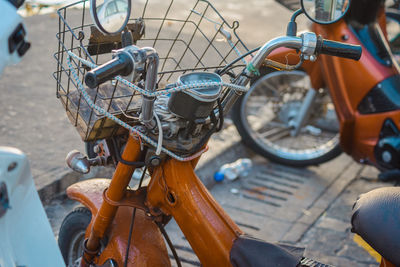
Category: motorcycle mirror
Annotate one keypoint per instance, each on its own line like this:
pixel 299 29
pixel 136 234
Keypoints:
pixel 110 16
pixel 325 11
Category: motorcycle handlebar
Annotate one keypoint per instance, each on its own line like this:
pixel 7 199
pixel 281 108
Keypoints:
pixel 338 49
pixel 121 64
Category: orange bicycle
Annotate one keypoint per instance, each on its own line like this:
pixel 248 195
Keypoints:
pixel 156 102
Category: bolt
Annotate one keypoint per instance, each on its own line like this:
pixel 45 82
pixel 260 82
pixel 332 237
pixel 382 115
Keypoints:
pixel 313 58
pixel 96 149
pixel 345 37
pixel 155 161
pixel 386 156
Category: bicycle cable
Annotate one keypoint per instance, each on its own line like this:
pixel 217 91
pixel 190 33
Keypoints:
pixel 171 246
pixel 133 221
pixel 183 87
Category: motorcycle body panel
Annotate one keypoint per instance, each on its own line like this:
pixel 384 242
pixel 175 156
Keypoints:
pixel 26 235
pixel 351 82
pixel 147 246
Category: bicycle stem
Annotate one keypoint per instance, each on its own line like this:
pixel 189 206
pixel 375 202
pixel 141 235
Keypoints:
pixel 306 43
pixel 150 85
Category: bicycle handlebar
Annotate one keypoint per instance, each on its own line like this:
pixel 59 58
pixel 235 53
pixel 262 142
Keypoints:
pixel 121 64
pixel 338 49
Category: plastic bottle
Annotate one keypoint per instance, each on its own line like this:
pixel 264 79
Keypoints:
pixel 232 171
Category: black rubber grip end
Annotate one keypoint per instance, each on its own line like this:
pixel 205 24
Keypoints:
pixel 91 80
pixel 338 49
pixel 121 64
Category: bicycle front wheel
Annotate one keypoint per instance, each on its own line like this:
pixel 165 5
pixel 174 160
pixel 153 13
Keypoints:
pixel 264 118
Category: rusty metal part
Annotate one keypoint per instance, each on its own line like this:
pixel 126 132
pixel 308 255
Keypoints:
pixel 100 43
pixel 4 200
pixel 147 244
pixel 176 190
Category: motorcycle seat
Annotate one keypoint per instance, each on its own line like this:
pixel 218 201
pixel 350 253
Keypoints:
pixel 251 252
pixel 376 218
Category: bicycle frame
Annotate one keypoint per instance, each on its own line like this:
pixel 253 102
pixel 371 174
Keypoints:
pixel 206 226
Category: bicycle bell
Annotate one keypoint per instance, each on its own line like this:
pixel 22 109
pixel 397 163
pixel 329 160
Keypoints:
pixel 196 103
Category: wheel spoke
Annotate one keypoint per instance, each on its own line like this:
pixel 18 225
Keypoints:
pixel 266 118
pixel 277 133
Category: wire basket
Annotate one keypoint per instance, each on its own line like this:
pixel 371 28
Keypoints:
pixel 186 34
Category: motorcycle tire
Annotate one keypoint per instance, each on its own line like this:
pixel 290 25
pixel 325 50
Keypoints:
pixel 72 234
pixel 249 139
pixel 393 30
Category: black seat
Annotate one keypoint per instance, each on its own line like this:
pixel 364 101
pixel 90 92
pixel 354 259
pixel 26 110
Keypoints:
pixel 376 218
pixel 250 252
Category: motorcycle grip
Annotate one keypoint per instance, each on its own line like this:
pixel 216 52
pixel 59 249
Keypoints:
pixel 121 64
pixel 338 49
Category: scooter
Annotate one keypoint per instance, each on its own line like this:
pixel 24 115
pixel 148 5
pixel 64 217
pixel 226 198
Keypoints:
pixel 26 238
pixel 330 104
pixel 164 111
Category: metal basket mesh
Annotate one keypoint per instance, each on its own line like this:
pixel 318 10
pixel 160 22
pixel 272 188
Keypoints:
pixel 186 34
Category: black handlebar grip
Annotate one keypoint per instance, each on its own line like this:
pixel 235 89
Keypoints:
pixel 338 49
pixel 121 64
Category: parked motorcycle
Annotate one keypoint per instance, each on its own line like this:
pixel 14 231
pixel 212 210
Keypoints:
pixel 160 111
pixel 306 117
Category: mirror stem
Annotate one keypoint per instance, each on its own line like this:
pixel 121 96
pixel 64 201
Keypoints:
pixel 126 38
pixel 292 25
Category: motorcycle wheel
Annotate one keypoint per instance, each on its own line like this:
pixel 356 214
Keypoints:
pixel 72 235
pixel 263 117
pixel 393 30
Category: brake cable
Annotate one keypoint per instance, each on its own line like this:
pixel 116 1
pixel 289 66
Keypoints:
pixel 171 246
pixel 133 221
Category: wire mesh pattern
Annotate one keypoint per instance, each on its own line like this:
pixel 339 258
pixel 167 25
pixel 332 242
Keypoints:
pixel 188 35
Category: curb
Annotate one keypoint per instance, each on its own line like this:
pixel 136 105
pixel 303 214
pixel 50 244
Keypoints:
pixel 48 190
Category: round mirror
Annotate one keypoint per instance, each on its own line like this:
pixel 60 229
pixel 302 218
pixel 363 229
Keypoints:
pixel 110 16
pixel 325 11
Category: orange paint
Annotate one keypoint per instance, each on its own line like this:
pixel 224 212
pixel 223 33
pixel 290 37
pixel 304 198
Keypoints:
pixel 173 190
pixel 209 230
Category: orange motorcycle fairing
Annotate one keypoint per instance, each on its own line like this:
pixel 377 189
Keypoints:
pixel 147 247
pixel 349 83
